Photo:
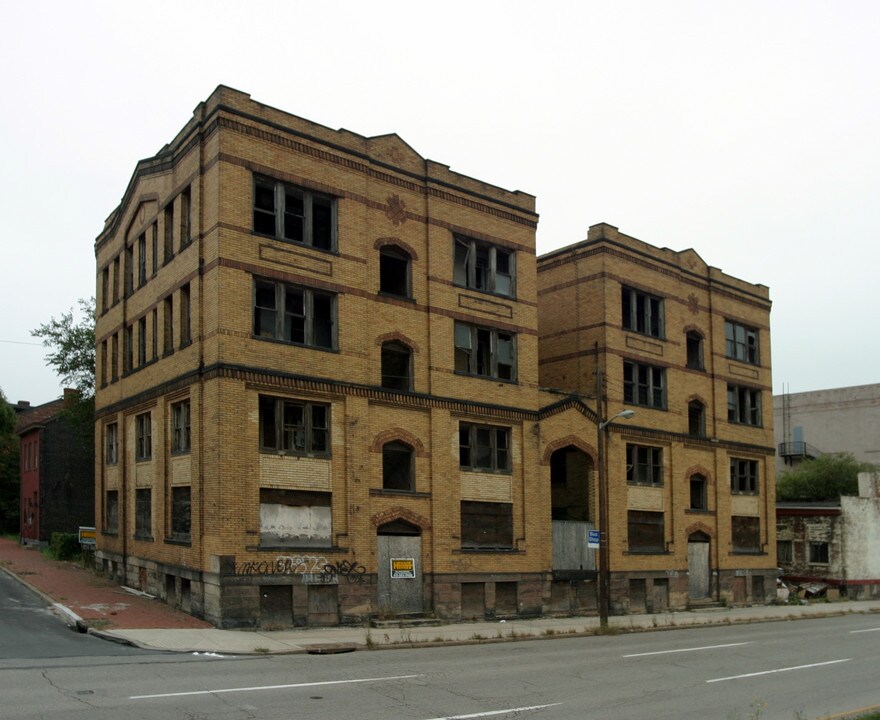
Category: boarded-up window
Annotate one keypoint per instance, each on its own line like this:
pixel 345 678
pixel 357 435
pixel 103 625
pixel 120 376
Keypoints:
pixel 486 525
pixel 645 531
pixel 746 534
pixel 295 518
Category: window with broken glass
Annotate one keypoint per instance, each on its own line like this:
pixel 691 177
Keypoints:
pixel 483 266
pixel 143 436
pixel 394 272
pixel 294 214
pixel 741 342
pixel 644 465
pixel 180 427
pixel 484 448
pixel 644 385
pixel 743 476
pixel 743 405
pixel 641 312
pixel 397 467
pixel 294 427
pixel 485 351
pixel 293 314
pixel 396 366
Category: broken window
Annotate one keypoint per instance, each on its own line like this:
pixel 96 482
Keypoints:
pixel 155 338
pixel 294 214
pixel 396 366
pixel 486 525
pixel 394 271
pixel 743 405
pixel 180 427
pixel 185 218
pixel 103 363
pixel 645 531
pixel 818 553
pixel 142 341
pixel 111 434
pixel 169 232
pixel 294 314
pixel 142 260
pixel 744 476
pixel 642 313
pixel 746 534
pixel 111 511
pixel 484 447
pixel 127 348
pixel 482 266
pixel 784 551
pixel 694 343
pixel 129 270
pixel 114 367
pixel 696 418
pixel 644 385
pixel 168 325
pixel 644 465
pixel 105 289
pixel 698 493
pixel 143 436
pixel 143 513
pixel 154 246
pixel 116 271
pixel 185 316
pixel 397 467
pixel 181 513
pixel 741 342
pixel 485 351
pixel 292 426
pixel 295 518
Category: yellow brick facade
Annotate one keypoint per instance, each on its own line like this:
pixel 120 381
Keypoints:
pixel 267 492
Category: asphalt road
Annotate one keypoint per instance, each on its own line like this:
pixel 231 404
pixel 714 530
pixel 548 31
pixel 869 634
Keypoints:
pixel 788 671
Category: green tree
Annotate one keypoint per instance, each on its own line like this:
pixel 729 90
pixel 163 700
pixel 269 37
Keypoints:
pixel 10 479
pixel 827 477
pixel 71 343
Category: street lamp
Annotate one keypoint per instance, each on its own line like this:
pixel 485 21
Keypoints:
pixel 604 570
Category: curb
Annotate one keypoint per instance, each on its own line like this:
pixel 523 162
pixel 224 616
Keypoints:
pixel 70 618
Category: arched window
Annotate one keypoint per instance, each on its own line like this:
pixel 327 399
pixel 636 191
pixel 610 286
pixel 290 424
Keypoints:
pixel 397 467
pixel 396 366
pixel 394 271
pixel 698 493
pixel 696 418
pixel 694 343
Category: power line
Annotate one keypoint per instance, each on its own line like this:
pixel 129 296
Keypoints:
pixel 21 342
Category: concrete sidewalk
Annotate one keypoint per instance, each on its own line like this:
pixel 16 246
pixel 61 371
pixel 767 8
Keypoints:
pixel 109 611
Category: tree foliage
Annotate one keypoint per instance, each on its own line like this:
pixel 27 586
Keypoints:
pixel 71 344
pixel 827 477
pixel 9 469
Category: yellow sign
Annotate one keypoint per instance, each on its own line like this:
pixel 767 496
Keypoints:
pixel 403 568
pixel 87 535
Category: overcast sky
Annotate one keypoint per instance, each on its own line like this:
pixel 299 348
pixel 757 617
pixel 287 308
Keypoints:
pixel 749 131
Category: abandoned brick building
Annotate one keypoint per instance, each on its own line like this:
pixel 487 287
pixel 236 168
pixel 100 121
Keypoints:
pixel 322 363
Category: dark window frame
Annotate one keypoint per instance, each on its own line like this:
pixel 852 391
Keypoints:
pixel 644 465
pixel 308 214
pixel 395 355
pixel 642 312
pixel 311 437
pixel 398 467
pixel 699 495
pixel 143 437
pixel 696 418
pixel 492 442
pixel 741 342
pixel 394 261
pixel 316 321
pixel 181 513
pixel 143 513
pixel 818 552
pixel 479 265
pixel 744 478
pixel 644 385
pixel 111 435
pixel 744 405
pixel 480 359
pixel 181 431
pixel 694 351
pixel 784 551
pixel 111 511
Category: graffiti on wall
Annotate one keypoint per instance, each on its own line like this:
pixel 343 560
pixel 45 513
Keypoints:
pixel 313 569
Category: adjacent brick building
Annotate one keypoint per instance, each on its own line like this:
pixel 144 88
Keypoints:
pixel 57 481
pixel 319 394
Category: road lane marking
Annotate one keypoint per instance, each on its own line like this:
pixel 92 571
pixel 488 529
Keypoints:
pixel 693 649
pixel 779 670
pixel 853 632
pixel 496 712
pixel 272 687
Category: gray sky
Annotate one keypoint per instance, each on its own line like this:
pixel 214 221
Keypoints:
pixel 749 131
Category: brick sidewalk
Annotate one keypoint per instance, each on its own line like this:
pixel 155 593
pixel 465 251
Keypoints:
pixel 101 603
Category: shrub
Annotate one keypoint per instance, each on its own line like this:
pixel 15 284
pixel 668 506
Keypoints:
pixel 65 546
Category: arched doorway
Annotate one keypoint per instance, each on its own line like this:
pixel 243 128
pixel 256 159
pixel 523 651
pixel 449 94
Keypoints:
pixel 572 509
pixel 399 567
pixel 699 585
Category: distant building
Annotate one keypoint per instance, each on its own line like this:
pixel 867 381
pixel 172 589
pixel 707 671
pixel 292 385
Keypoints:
pixel 57 471
pixel 835 542
pixel 809 424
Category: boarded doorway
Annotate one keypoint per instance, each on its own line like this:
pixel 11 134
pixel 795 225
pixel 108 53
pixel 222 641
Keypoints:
pixel 399 557
pixel 571 511
pixel 698 566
